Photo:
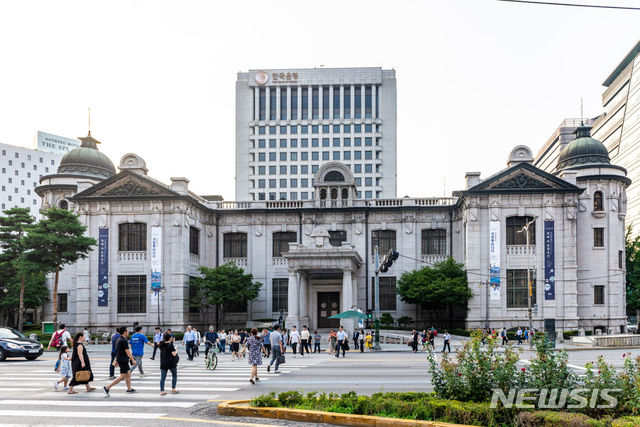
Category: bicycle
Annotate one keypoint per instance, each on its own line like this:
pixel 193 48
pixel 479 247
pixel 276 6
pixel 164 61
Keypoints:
pixel 211 360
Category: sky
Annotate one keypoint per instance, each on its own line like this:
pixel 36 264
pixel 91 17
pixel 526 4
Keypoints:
pixel 475 78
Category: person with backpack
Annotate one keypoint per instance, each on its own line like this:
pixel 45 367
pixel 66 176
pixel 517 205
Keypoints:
pixel 60 338
pixel 168 362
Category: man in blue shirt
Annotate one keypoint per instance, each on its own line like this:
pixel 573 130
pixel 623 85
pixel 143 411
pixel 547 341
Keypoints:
pixel 276 348
pixel 189 340
pixel 137 342
pixel 157 337
pixel 210 339
pixel 114 340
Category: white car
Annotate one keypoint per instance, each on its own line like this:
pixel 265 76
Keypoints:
pixel 631 328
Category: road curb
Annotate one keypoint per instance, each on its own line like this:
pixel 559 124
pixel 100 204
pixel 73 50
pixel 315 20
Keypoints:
pixel 241 408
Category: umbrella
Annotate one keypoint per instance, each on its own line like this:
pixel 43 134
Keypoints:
pixel 349 314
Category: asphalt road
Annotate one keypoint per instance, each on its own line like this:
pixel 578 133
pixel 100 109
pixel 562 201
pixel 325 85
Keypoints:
pixel 27 396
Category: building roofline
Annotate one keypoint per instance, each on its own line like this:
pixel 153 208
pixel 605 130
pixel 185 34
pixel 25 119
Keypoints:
pixel 622 65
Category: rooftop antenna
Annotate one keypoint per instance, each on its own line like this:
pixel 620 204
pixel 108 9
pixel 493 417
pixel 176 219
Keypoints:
pixel 581 112
pixel 89 108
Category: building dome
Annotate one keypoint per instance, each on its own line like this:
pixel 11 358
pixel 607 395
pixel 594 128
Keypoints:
pixel 86 160
pixel 583 151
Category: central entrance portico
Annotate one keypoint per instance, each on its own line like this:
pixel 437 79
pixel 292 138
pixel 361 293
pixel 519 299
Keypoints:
pixel 322 281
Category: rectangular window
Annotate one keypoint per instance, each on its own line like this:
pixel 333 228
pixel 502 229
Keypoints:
pixel 293 196
pixel 132 237
pixel 336 128
pixel 347 103
pixel 304 195
pixel 194 241
pixel 132 294
pixel 357 168
pixel 314 169
pixel 283 104
pixel 347 142
pixel 315 129
pixel 368 194
pixel 304 155
pixel 293 169
pixel 272 170
pixel 272 130
pixel 336 142
pixel 434 242
pixel 283 130
pixel 262 143
pixel 294 105
pixel 336 155
pixel 305 106
pixel 315 142
pixel 347 155
pixel 517 289
pixel 387 288
pixel 325 102
pixel 293 143
pixel 368 155
pixel 368 182
pixel 325 128
pixel 283 157
pixel 325 155
pixel 336 102
pixel 357 155
pixel 304 182
pixel 293 183
pixel 262 130
pixel 304 142
pixel 337 237
pixel 621 259
pixel 272 104
pixel 279 295
pixel 263 106
pixel 262 183
pixel 358 181
pixel 368 128
pixel 368 142
pixel 347 128
pixel 283 183
pixel 304 169
pixel 368 168
pixel 235 245
pixel 598 237
pixel 294 130
pixel 272 157
pixel 515 235
pixel 367 101
pixel 62 303
pixel 357 142
pixel 281 240
pixel 357 102
pixel 283 170
pixel 283 143
pixel 272 183
pixel 598 294
pixel 315 103
pixel 385 240
pixel 262 170
pixel 315 155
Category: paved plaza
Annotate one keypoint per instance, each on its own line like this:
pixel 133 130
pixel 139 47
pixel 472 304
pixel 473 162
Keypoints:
pixel 27 396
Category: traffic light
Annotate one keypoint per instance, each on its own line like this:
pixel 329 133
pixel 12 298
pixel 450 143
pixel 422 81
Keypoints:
pixel 388 260
pixel 369 314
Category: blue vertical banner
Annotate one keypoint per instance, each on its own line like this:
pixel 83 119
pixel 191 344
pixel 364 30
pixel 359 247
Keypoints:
pixel 549 262
pixel 103 267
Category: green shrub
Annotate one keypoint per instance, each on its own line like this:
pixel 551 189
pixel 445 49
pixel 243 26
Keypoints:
pixel 555 419
pixel 265 401
pixel 290 399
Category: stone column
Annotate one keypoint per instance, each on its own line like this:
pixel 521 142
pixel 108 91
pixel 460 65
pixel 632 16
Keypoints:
pixel 347 298
pixel 256 104
pixel 304 301
pixel 293 317
pixel 267 103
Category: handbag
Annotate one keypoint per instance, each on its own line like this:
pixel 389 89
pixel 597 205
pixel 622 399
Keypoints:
pixel 83 376
pixel 281 359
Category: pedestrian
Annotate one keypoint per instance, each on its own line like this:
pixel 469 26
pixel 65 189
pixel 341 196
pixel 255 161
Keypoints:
pixel 60 338
pixel 244 336
pixel 526 335
pixel 447 345
pixel 196 345
pixel 285 339
pixel 80 365
pixel 255 349
pixel 332 342
pixel 356 338
pixel 424 339
pixel 414 340
pixel 63 367
pixel 432 339
pixel 235 345
pixel 114 339
pixel 503 335
pixel 138 340
pixel 304 340
pixel 368 341
pixel 266 344
pixel 210 340
pixel 173 337
pixel 223 341
pixel 87 337
pixel 519 335
pixel 294 340
pixel 316 341
pixel 361 336
pixel 157 339
pixel 189 340
pixel 341 337
pixel 123 357
pixel 168 362
pixel 276 348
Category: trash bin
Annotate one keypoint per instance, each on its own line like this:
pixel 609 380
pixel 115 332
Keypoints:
pixel 48 327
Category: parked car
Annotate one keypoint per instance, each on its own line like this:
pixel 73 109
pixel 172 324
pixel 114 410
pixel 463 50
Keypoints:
pixel 631 328
pixel 14 343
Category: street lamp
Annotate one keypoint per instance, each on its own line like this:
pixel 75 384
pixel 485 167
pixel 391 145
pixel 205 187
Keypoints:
pixel 156 290
pixel 525 230
pixel 486 302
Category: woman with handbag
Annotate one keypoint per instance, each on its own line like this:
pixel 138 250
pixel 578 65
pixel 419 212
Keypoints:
pixel 168 362
pixel 80 365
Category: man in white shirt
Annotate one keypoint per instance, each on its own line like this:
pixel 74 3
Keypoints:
pixel 60 338
pixel 341 336
pixel 304 340
pixel 189 340
pixel 294 339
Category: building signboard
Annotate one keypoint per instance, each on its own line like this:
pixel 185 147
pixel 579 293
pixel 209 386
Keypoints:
pixel 54 143
pixel 494 259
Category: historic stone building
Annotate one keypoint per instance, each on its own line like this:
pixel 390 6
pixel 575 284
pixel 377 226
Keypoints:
pixel 315 257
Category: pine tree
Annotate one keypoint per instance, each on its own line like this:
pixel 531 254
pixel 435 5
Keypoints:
pixel 56 241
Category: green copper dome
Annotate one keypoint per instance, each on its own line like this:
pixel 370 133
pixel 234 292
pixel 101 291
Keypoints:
pixel 583 151
pixel 86 160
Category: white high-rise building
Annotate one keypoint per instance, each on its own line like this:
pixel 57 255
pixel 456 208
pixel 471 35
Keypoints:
pixel 289 122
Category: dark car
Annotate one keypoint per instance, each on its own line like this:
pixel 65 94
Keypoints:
pixel 14 343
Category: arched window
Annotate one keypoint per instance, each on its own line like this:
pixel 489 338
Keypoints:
pixel 597 201
pixel 132 237
pixel 64 205
pixel 334 176
pixel 323 194
pixel 345 193
pixel 334 193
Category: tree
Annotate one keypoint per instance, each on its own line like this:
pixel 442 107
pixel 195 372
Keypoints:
pixel 56 241
pixel 444 284
pixel 632 258
pixel 386 319
pixel 14 226
pixel 404 321
pixel 222 285
pixel 34 294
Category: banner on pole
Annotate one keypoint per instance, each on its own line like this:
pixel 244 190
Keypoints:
pixel 156 264
pixel 103 267
pixel 494 259
pixel 549 262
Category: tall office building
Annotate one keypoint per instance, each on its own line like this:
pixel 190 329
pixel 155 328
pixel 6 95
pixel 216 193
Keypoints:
pixel 289 122
pixel 547 157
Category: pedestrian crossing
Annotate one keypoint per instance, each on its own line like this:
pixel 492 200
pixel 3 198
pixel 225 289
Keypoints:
pixel 28 397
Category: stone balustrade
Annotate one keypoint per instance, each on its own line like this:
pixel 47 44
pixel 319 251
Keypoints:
pixel 132 256
pixel 521 250
pixel 240 262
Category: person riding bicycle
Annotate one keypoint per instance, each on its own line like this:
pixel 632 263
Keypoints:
pixel 210 339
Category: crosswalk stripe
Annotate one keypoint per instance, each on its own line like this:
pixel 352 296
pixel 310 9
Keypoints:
pixel 95 403
pixel 10 389
pixel 115 398
pixel 186 388
pixel 103 415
